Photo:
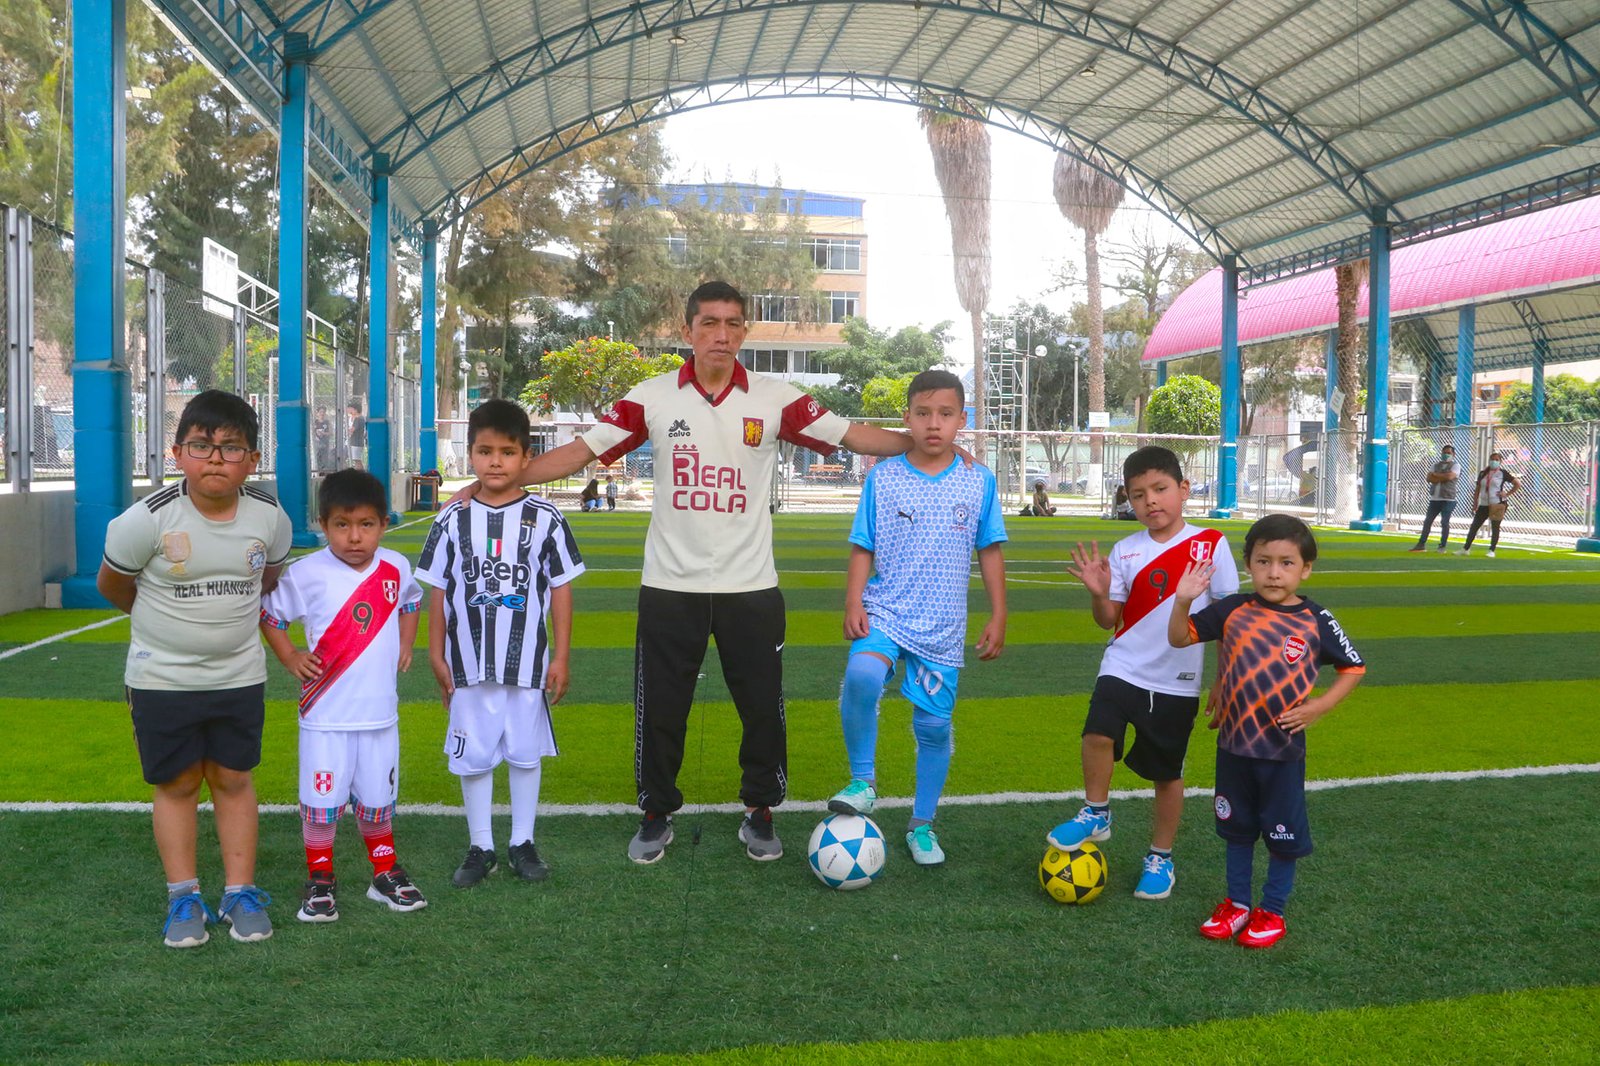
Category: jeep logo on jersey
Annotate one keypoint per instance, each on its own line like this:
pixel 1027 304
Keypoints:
pixel 1199 550
pixel 700 486
pixel 679 428
pixel 1294 649
pixel 391 591
pixel 475 569
pixel 753 429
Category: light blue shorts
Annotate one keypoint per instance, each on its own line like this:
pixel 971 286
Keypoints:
pixel 931 686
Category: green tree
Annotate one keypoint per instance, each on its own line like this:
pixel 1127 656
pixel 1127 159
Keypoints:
pixel 1567 398
pixel 1088 199
pixel 873 353
pixel 885 397
pixel 592 374
pixel 1186 404
pixel 841 401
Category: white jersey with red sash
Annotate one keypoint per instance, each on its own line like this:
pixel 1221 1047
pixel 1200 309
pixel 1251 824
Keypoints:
pixel 1144 576
pixel 352 621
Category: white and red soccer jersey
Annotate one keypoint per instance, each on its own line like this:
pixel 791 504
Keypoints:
pixel 1144 577
pixel 710 526
pixel 352 621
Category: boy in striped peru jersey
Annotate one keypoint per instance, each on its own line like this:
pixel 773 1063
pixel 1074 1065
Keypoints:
pixel 359 603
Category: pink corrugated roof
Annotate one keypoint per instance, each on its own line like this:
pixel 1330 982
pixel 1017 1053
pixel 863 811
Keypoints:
pixel 1555 248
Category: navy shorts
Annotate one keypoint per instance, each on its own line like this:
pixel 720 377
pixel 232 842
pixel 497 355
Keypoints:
pixel 1161 725
pixel 1265 799
pixel 175 730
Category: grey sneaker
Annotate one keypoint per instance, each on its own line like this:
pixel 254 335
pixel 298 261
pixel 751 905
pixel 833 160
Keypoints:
pixel 186 921
pixel 858 797
pixel 525 861
pixel 650 842
pixel 475 867
pixel 316 902
pixel 924 845
pixel 245 911
pixel 761 842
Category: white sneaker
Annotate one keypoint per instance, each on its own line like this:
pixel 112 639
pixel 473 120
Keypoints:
pixel 1491 553
pixel 1441 551
pixel 1463 551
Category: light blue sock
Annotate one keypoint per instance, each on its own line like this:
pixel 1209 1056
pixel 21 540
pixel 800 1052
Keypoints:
pixel 933 761
pixel 864 676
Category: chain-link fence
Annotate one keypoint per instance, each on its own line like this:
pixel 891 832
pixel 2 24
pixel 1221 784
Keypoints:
pixel 51 371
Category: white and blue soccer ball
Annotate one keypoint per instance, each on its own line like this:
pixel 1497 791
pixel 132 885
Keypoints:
pixel 846 851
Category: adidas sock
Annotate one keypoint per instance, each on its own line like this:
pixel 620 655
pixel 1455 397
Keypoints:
pixel 1241 869
pixel 182 888
pixel 317 829
pixel 524 801
pixel 1280 882
pixel 477 796
pixel 378 836
pixel 864 676
pixel 933 762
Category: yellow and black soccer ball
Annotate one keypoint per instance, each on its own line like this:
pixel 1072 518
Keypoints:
pixel 1075 876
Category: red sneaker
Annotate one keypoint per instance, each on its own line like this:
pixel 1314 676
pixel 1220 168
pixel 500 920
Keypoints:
pixel 1265 929
pixel 1225 922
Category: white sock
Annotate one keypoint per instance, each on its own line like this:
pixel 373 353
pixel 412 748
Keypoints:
pixel 524 801
pixel 477 795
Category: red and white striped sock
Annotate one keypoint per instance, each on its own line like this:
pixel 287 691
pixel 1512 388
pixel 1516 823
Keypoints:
pixel 318 837
pixel 379 838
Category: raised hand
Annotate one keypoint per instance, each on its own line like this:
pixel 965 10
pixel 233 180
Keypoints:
pixel 1091 568
pixel 1196 580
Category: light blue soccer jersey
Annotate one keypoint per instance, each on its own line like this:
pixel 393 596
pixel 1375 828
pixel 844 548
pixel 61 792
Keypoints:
pixel 922 530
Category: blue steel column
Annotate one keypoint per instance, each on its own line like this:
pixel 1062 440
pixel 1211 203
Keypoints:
pixel 428 446
pixel 294 475
pixel 1228 453
pixel 1466 357
pixel 378 455
pixel 1161 372
pixel 102 411
pixel 1330 413
pixel 1375 460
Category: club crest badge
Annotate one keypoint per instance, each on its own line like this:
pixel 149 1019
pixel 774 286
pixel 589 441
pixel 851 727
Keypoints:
pixel 176 549
pixel 1224 808
pixel 754 430
pixel 391 591
pixel 959 513
pixel 1200 550
pixel 1294 649
pixel 322 782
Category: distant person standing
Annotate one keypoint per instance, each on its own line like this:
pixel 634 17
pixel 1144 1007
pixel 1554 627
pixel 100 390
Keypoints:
pixel 1441 498
pixel 357 439
pixel 1493 489
pixel 611 492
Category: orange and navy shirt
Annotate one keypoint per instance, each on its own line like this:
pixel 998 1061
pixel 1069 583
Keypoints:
pixel 1268 661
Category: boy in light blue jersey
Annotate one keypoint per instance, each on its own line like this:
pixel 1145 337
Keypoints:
pixel 920 518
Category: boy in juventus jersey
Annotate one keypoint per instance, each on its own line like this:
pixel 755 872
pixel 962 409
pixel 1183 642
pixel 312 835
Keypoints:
pixel 1144 682
pixel 499 565
pixel 359 604
pixel 921 517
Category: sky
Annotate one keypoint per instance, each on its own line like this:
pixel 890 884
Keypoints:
pixel 877 151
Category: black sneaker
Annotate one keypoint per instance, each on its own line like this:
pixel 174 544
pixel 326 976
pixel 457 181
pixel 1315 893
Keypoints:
pixel 760 840
pixel 475 867
pixel 394 890
pixel 316 902
pixel 524 859
pixel 650 842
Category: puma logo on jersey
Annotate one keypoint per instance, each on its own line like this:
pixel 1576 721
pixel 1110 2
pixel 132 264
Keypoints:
pixel 906 515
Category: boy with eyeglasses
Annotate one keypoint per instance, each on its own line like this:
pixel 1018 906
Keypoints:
pixel 190 563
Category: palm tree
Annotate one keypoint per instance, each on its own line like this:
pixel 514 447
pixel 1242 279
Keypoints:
pixel 1088 199
pixel 1348 279
pixel 960 147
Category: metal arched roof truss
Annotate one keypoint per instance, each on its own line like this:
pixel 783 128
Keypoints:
pixel 1273 130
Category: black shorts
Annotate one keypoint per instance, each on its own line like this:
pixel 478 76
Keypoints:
pixel 175 730
pixel 1263 798
pixel 1161 725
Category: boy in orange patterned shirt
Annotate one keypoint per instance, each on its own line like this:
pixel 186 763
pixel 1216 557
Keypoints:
pixel 1273 642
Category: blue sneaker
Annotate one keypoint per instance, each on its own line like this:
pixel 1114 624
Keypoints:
pixel 1158 878
pixel 924 845
pixel 245 911
pixel 187 916
pixel 858 797
pixel 1085 825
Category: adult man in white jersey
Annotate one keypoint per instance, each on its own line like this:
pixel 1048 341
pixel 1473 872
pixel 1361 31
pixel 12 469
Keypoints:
pixel 708 570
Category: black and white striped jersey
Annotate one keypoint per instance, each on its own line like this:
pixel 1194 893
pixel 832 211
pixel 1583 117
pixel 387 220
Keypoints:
pixel 496 567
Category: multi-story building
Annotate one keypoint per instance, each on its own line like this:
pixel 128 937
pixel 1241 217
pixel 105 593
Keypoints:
pixel 784 341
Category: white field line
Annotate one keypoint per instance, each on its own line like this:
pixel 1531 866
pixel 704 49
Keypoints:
pixel 892 802
pixel 9 652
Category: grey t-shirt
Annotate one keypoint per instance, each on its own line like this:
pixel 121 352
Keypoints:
pixel 1444 490
pixel 197 614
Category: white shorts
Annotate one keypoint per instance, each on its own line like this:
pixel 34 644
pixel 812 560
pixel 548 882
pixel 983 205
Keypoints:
pixel 493 723
pixel 360 765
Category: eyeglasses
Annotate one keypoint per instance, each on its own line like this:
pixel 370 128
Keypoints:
pixel 202 449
